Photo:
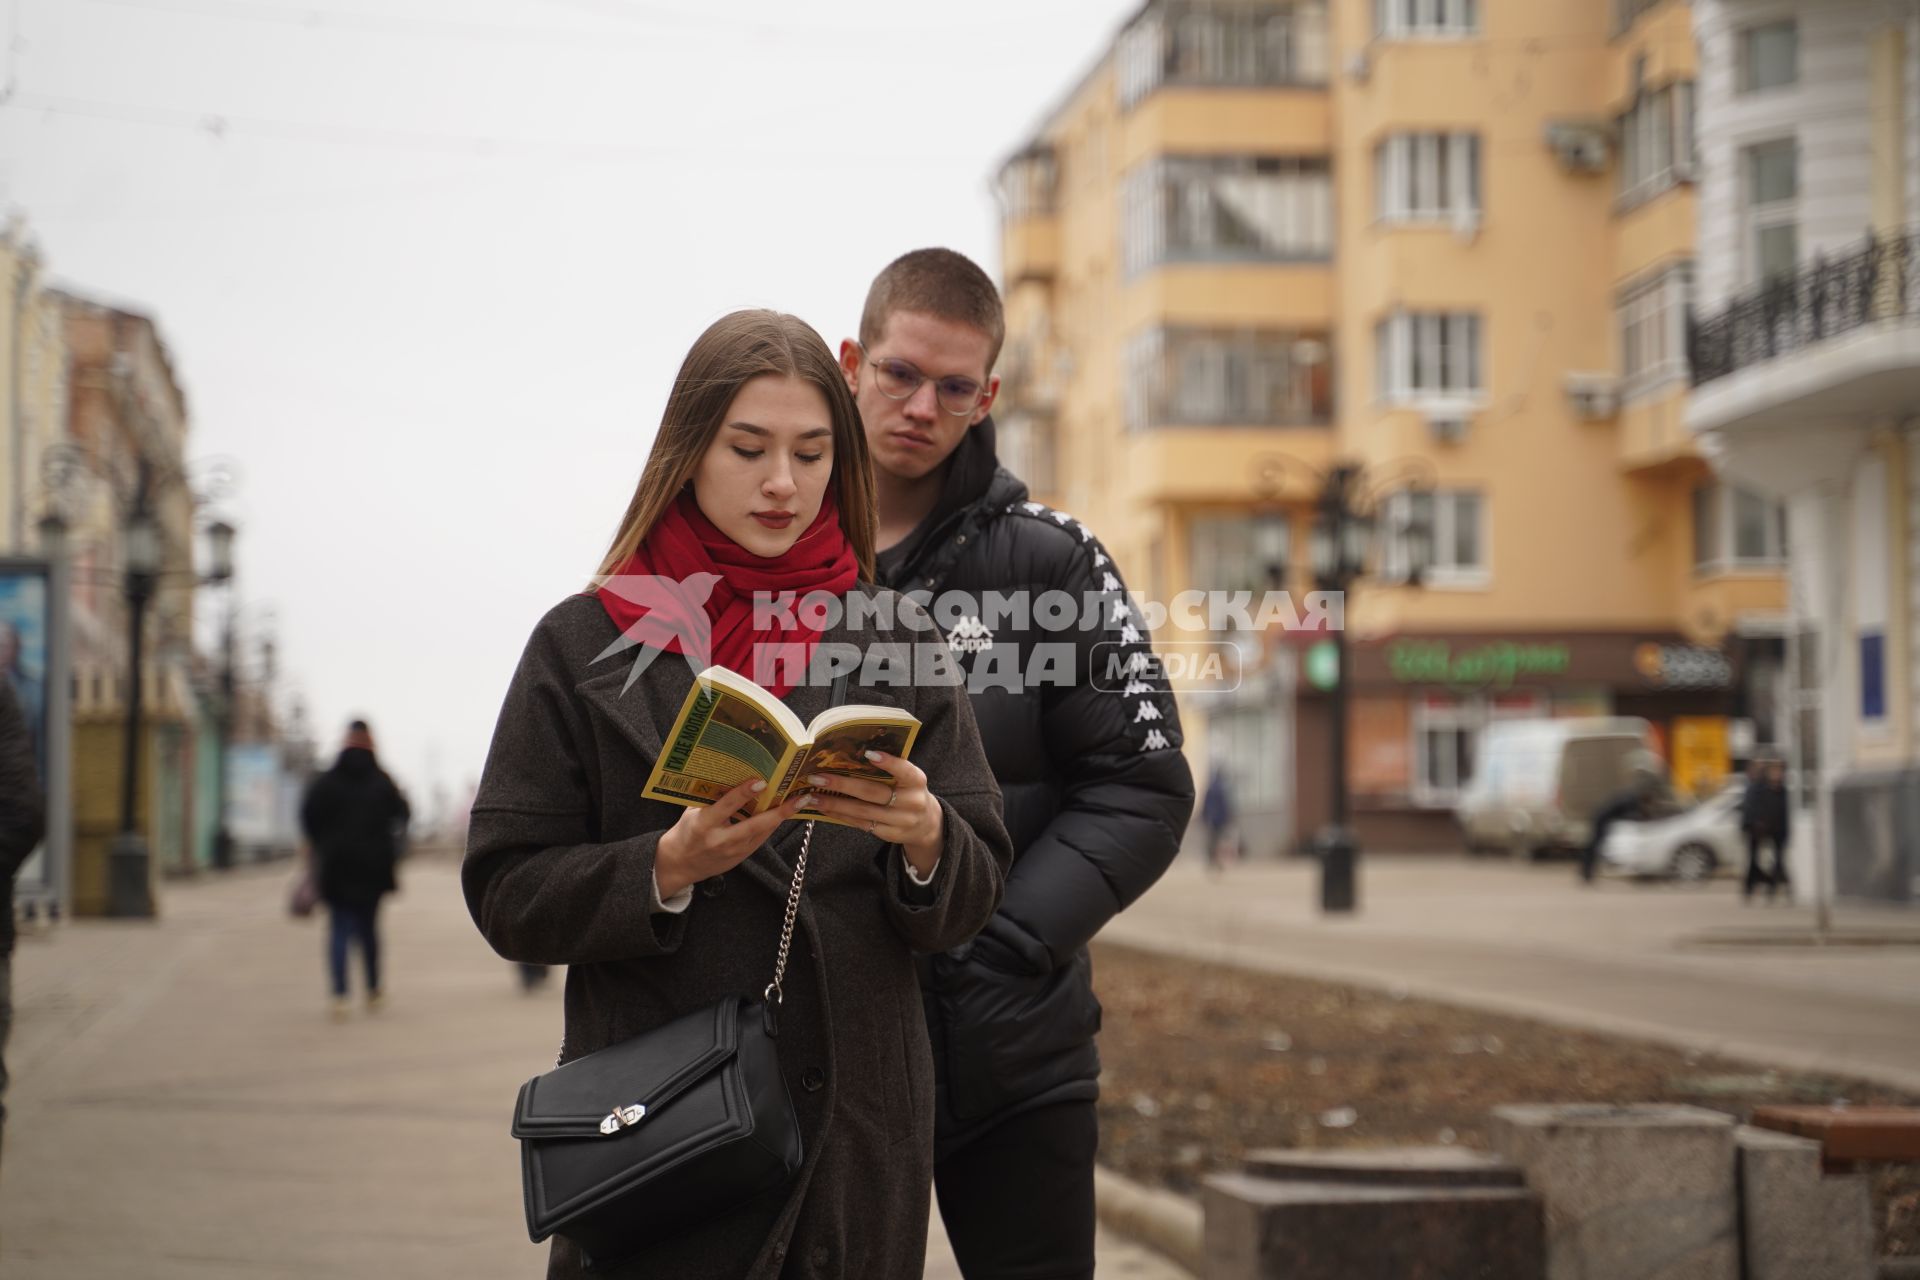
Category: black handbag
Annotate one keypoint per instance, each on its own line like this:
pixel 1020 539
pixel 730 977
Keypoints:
pixel 643 1139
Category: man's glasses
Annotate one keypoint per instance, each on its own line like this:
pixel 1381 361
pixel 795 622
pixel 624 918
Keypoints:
pixel 898 380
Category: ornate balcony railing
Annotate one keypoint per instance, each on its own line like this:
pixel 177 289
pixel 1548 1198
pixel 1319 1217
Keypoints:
pixel 1878 283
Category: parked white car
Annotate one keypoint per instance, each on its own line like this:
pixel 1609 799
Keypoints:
pixel 1687 846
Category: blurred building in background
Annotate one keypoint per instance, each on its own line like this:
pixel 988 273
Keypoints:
pixel 1806 366
pixel 1452 241
pixel 93 403
pixel 126 408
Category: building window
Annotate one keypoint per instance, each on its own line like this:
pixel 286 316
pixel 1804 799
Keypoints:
pixel 1025 442
pixel 1772 179
pixel 1736 529
pixel 1769 57
pixel 1402 19
pixel 1423 356
pixel 1251 745
pixel 1029 185
pixel 1653 329
pixel 1227 377
pixel 1227 209
pixel 1656 142
pixel 1189 44
pixel 1428 177
pixel 1456 520
pixel 1446 738
pixel 1239 553
pixel 1627 12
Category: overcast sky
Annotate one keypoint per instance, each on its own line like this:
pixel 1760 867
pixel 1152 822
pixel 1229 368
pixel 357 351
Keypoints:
pixel 426 267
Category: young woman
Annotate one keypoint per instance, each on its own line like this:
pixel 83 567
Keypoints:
pixel 758 481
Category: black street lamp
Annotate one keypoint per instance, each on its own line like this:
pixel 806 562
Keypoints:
pixel 220 544
pixel 1348 517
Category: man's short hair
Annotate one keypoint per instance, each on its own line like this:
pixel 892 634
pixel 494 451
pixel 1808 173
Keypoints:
pixel 357 726
pixel 935 282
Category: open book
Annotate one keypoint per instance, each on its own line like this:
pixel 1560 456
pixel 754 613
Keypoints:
pixel 731 730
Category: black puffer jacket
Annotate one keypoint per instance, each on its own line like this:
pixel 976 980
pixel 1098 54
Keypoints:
pixel 354 816
pixel 1097 791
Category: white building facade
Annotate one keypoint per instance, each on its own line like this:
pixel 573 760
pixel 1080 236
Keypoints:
pixel 1805 352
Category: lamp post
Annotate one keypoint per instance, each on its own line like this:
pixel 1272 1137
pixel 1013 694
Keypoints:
pixel 129 893
pixel 220 543
pixel 1344 542
pixel 129 890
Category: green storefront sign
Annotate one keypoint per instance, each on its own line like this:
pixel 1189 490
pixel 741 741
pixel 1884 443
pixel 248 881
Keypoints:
pixel 1494 666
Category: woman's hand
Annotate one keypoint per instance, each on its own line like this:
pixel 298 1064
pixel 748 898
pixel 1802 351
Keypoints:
pixel 902 812
pixel 712 841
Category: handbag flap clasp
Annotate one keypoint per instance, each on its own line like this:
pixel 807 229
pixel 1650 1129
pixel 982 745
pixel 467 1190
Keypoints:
pixel 613 1091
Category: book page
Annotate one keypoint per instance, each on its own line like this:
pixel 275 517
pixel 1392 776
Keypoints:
pixel 724 739
pixel 839 751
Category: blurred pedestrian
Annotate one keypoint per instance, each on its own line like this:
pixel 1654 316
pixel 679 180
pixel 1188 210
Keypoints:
pixel 23 821
pixel 1217 815
pixel 354 818
pixel 1765 817
pixel 1633 803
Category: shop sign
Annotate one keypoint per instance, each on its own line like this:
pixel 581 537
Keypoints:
pixel 1682 666
pixel 1495 665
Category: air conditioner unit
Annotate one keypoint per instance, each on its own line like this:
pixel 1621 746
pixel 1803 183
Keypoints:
pixel 1359 67
pixel 1595 396
pixel 1447 423
pixel 1466 225
pixel 1581 147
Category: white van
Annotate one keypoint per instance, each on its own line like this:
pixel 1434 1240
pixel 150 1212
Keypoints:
pixel 1537 783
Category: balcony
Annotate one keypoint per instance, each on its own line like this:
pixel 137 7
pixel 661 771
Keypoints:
pixel 1839 341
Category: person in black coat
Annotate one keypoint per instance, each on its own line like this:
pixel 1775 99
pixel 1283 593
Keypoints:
pixel 354 818
pixel 1083 736
pixel 23 821
pixel 1764 816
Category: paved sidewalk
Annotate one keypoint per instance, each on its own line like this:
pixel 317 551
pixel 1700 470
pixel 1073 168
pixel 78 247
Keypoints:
pixel 181 1107
pixel 1639 959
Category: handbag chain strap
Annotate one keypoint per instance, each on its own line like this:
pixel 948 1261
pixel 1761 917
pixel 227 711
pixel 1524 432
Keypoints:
pixel 773 994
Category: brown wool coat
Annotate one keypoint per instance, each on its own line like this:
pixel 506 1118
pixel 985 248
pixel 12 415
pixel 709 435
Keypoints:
pixel 559 870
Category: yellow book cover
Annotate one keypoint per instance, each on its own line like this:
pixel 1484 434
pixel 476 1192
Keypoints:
pixel 731 730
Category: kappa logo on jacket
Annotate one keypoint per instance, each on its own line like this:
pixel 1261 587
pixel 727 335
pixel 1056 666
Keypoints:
pixel 970 635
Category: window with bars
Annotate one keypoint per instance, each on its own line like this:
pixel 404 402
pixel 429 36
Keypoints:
pixel 1657 141
pixel 1401 19
pixel 1226 209
pixel 1200 44
pixel 1427 177
pixel 1227 377
pixel 1422 356
pixel 1652 315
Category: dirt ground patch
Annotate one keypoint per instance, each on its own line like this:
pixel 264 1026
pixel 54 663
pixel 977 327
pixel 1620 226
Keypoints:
pixel 1203 1063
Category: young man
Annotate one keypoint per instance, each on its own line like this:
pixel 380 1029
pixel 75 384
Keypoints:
pixel 1083 738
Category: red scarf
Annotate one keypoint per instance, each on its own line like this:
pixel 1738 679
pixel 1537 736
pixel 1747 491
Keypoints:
pixel 660 600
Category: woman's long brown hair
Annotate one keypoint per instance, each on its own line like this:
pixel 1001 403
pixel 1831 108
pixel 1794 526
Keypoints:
pixel 732 352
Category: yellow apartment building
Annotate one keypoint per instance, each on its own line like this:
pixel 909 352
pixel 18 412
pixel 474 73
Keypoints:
pixel 1450 241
